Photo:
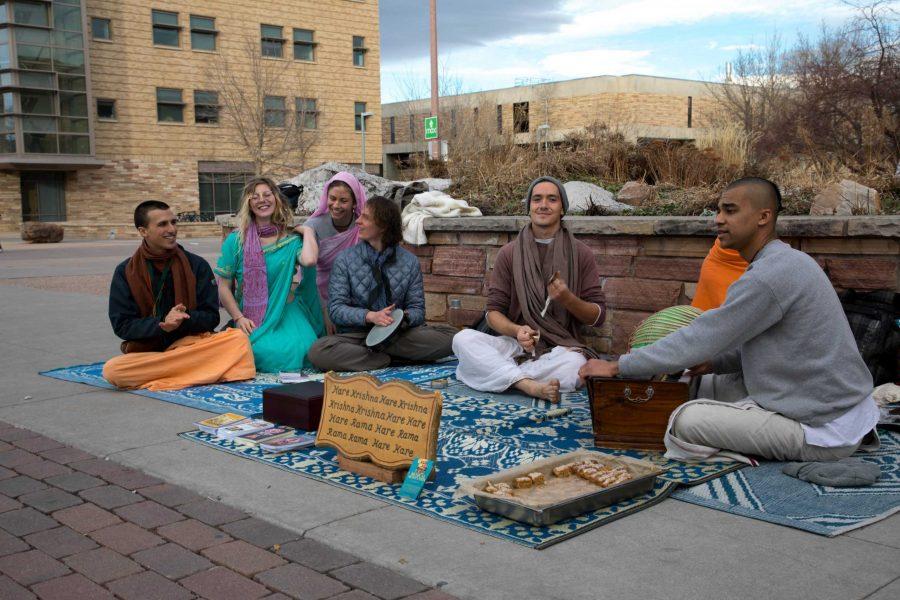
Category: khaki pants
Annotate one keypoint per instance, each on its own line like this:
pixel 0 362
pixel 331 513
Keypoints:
pixel 751 430
pixel 348 351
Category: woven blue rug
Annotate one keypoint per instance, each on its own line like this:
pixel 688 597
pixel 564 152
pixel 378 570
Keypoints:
pixel 767 494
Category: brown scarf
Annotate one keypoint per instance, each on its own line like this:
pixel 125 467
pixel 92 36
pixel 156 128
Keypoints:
pixel 141 286
pixel 530 278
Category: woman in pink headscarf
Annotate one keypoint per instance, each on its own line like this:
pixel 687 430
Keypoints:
pixel 334 223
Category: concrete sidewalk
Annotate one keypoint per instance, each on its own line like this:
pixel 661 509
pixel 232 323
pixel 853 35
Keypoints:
pixel 672 550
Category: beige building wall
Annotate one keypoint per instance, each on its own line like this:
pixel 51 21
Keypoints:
pixel 147 159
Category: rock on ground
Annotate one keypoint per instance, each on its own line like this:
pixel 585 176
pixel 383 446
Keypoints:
pixel 846 198
pixel 582 194
pixel 42 233
pixel 635 193
pixel 313 181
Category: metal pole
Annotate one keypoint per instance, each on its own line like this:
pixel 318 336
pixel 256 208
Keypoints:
pixel 436 143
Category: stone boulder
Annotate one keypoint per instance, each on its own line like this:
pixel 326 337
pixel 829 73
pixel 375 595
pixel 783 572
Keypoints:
pixel 635 193
pixel 583 194
pixel 846 198
pixel 42 233
pixel 313 181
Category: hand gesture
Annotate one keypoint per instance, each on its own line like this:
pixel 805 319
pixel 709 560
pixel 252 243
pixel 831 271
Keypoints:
pixel 380 317
pixel 245 324
pixel 598 368
pixel 175 317
pixel 525 335
pixel 557 288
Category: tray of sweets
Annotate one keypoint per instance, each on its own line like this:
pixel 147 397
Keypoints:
pixel 552 489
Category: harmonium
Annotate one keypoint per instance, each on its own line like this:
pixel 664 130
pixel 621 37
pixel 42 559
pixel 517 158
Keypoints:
pixel 634 413
pixel 295 404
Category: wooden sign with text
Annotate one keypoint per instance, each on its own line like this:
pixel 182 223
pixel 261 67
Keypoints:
pixel 388 423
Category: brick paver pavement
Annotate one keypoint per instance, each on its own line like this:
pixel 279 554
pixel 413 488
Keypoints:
pixel 76 526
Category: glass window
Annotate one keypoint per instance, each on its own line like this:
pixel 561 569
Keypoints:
pixel 275 111
pixel 27 35
pixel 271 40
pixel 68 39
pixel 307 115
pixel 358 109
pixel 37 103
pixel 35 58
pixel 73 125
pixel 31 13
pixel 101 29
pixel 36 80
pixel 393 137
pixel 73 105
pixel 359 51
pixel 43 196
pixel 203 33
pixel 7 102
pixel 165 28
pixel 68 61
pixel 206 107
pixel 220 193
pixel 67 18
pixel 304 46
pixel 520 117
pixel 8 143
pixel 169 107
pixel 72 83
pixel 41 143
pixel 106 109
pixel 4 56
pixel 74 144
pixel 39 124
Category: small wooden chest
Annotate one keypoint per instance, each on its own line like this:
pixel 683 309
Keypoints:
pixel 634 413
pixel 295 405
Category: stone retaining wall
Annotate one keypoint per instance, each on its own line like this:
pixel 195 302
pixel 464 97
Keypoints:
pixel 646 263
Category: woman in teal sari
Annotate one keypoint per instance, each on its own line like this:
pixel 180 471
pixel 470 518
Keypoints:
pixel 261 258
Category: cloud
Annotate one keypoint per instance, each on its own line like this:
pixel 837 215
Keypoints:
pixel 463 24
pixel 587 63
pixel 734 47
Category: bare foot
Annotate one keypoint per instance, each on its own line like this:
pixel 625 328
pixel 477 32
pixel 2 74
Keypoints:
pixel 545 390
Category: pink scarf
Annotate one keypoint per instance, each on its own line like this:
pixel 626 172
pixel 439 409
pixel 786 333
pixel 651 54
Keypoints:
pixel 256 286
pixel 330 247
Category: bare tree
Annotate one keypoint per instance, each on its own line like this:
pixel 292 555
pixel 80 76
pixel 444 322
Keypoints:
pixel 272 113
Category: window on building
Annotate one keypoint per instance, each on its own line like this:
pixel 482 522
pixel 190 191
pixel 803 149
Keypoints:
pixel 220 193
pixel 31 13
pixel 203 33
pixel 169 106
pixel 499 118
pixel 393 137
pixel 43 196
pixel 101 29
pixel 106 109
pixel 271 40
pixel 690 115
pixel 274 111
pixel 412 128
pixel 304 46
pixel 520 117
pixel 307 114
pixel 206 107
pixel 165 29
pixel 359 51
pixel 358 109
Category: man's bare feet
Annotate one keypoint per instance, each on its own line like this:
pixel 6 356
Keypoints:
pixel 545 390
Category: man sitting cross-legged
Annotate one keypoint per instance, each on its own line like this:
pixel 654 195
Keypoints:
pixel 803 391
pixel 539 354
pixel 163 302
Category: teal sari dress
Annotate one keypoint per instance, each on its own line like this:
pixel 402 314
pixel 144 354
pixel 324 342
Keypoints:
pixel 293 316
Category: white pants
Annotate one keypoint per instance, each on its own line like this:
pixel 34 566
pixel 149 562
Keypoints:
pixel 487 363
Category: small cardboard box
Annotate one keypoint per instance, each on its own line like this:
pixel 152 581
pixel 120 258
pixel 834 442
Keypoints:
pixel 295 404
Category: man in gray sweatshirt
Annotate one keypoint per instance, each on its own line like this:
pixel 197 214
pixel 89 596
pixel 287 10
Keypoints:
pixel 806 392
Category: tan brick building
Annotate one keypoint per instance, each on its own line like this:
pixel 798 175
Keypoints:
pixel 111 102
pixel 638 105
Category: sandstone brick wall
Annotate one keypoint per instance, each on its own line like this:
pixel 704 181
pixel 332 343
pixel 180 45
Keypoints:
pixel 645 273
pixel 10 202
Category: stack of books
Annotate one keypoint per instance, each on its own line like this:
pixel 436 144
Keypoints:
pixel 269 437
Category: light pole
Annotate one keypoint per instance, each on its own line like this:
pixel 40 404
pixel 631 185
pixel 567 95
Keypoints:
pixel 362 120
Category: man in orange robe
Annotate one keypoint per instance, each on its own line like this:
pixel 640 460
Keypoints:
pixel 720 269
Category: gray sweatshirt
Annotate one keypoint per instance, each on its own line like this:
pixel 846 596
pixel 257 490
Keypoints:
pixel 783 327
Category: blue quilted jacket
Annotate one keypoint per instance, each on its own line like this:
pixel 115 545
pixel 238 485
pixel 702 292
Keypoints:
pixel 352 282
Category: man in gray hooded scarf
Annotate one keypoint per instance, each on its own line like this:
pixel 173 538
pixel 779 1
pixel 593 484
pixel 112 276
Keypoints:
pixel 544 288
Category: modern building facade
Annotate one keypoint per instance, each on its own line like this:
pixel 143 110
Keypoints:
pixel 537 112
pixel 111 102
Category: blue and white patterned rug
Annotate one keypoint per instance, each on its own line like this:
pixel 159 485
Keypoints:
pixel 766 494
pixel 478 436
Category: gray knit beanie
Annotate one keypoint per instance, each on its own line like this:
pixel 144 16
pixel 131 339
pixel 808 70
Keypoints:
pixel 562 191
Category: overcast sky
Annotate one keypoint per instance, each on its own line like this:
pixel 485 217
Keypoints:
pixel 489 44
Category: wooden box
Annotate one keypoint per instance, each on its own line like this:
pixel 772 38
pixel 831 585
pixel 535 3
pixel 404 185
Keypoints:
pixel 295 405
pixel 634 413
